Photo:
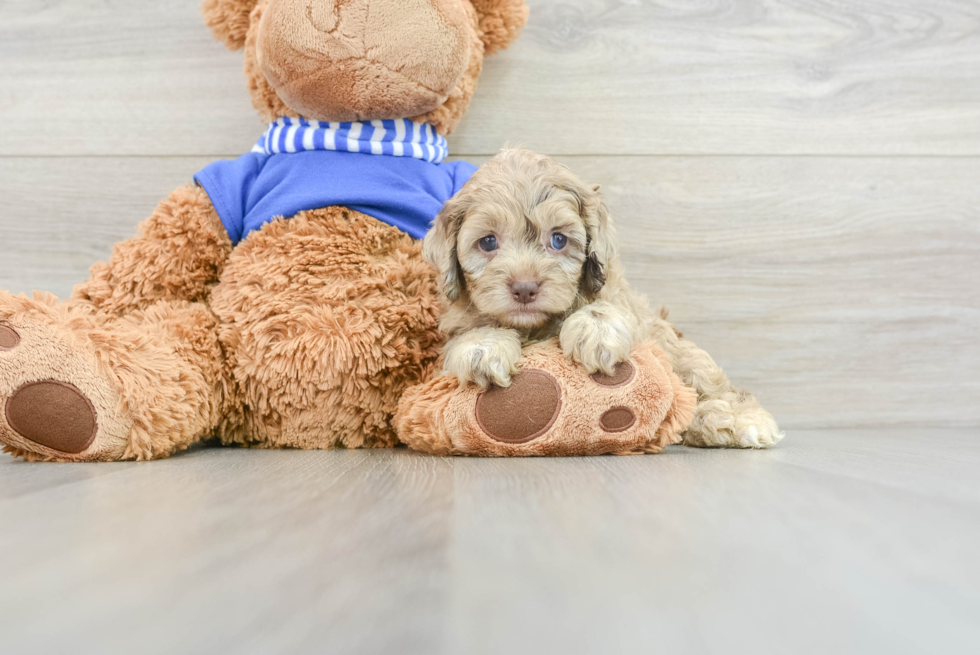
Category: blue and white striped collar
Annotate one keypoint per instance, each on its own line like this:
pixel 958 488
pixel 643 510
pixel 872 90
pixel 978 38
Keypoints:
pixel 396 138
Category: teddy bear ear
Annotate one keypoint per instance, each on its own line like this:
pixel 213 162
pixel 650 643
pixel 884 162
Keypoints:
pixel 228 20
pixel 501 22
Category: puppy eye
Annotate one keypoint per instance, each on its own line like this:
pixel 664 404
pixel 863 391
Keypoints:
pixel 488 244
pixel 558 241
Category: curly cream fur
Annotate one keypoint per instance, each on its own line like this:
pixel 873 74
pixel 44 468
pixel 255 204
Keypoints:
pixel 522 198
pixel 483 356
pixel 598 336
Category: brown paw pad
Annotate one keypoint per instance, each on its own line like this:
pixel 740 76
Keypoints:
pixel 523 411
pixel 53 414
pixel 8 338
pixel 621 376
pixel 617 419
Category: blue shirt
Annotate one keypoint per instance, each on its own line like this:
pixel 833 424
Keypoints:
pixel 257 188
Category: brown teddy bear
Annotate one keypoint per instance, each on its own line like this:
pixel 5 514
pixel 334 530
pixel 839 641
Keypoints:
pixel 306 332
pixel 223 320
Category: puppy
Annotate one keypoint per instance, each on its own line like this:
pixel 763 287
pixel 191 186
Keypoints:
pixel 526 252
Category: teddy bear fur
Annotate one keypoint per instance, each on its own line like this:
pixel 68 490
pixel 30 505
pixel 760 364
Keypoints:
pixel 304 335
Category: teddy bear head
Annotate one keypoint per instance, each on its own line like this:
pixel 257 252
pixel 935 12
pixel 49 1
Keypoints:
pixel 361 60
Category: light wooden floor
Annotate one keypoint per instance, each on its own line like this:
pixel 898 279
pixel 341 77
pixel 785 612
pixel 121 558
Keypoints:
pixel 834 542
pixel 799 181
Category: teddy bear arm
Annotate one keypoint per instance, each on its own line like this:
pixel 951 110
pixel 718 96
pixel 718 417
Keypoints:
pixel 177 255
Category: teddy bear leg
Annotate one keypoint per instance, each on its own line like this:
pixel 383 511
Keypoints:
pixel 326 318
pixel 128 368
pixel 725 416
pixel 76 385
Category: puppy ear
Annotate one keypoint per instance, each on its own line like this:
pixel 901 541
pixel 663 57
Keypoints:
pixel 601 248
pixel 229 20
pixel 439 248
pixel 501 22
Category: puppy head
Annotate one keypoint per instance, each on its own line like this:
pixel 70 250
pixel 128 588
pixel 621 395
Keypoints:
pixel 523 241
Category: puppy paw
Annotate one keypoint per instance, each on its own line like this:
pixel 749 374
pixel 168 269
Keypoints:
pixel 484 357
pixel 739 422
pixel 598 336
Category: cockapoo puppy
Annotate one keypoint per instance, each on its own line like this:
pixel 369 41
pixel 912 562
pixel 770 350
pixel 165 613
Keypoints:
pixel 525 252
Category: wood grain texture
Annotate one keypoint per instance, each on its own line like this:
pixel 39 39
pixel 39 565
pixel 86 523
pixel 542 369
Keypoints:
pixel 239 554
pixel 834 541
pixel 85 77
pixel 842 291
pixel 61 215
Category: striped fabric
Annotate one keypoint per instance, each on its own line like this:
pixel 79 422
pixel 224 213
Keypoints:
pixel 397 138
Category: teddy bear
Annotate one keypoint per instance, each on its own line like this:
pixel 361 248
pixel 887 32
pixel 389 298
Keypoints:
pixel 280 300
pixel 216 321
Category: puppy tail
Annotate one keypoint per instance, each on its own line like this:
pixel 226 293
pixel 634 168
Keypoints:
pixel 664 313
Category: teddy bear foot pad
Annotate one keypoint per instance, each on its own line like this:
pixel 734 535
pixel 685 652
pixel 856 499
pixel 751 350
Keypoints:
pixel 551 408
pixel 55 405
pixel 530 406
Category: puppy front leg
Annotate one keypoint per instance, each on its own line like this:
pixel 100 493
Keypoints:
pixel 483 356
pixel 598 336
pixel 725 417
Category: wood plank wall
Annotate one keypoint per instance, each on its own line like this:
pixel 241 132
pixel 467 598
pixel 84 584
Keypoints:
pixel 798 180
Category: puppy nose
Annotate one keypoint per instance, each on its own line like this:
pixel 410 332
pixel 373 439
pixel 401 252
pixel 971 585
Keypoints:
pixel 524 292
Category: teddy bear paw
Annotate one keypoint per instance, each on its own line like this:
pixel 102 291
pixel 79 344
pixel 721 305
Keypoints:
pixel 551 408
pixel 55 404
